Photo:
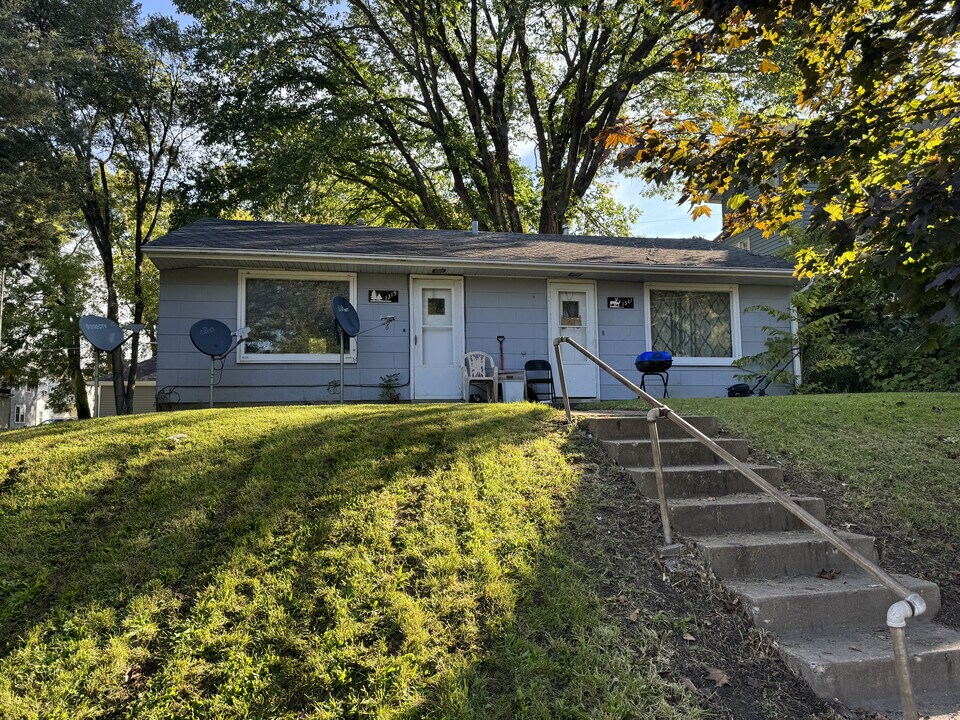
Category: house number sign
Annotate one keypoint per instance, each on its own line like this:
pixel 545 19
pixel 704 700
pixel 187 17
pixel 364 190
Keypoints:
pixel 384 296
pixel 620 303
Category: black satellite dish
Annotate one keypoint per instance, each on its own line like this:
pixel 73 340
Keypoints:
pixel 346 316
pixel 211 337
pixel 103 333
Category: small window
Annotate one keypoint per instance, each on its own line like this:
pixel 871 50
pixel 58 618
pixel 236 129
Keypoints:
pixel 290 316
pixel 436 306
pixel 571 308
pixel 694 323
pixel 20 414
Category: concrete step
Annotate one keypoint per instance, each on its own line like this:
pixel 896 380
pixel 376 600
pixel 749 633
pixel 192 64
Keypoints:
pixel 855 666
pixel 636 453
pixel 738 513
pixel 811 603
pixel 681 481
pixel 777 554
pixel 634 427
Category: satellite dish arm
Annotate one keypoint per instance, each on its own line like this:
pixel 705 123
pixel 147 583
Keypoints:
pixel 239 335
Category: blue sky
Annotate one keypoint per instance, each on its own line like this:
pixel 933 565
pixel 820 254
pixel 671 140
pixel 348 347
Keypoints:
pixel 661 216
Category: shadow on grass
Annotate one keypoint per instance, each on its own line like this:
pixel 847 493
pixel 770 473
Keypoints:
pixel 171 511
pixel 407 577
pixel 599 628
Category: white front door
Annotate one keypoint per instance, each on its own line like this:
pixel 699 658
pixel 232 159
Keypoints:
pixel 572 311
pixel 437 351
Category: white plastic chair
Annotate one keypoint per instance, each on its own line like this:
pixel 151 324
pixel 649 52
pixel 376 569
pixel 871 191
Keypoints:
pixel 478 367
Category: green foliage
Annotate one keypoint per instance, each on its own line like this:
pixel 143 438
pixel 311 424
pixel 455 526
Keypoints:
pixel 108 107
pixel 362 562
pixel 388 387
pixel 432 114
pixel 41 336
pixel 852 342
pixel 872 143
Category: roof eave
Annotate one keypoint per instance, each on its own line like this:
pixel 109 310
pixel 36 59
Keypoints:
pixel 364 259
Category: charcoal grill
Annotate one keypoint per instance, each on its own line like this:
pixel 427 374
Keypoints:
pixel 655 363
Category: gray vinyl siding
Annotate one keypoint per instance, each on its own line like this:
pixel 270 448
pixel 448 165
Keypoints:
pixel 191 294
pixel 622 338
pixel 513 307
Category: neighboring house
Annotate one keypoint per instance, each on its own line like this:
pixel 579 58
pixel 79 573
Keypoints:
pixel 753 239
pixel 451 292
pixel 26 406
pixel 144 392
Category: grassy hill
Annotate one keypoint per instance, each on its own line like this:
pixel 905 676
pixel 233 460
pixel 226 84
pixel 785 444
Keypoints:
pixel 382 562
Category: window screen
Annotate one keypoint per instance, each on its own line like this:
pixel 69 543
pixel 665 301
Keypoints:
pixel 691 323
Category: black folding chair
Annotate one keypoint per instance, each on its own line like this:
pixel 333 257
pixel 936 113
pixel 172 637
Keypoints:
pixel 539 376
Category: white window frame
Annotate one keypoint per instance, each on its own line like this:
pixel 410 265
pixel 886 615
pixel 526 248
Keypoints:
pixel 736 339
pixel 21 411
pixel 300 358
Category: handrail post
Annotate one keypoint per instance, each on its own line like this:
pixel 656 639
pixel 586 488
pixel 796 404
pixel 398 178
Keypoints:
pixel 563 382
pixel 665 521
pixel 901 663
pixel 897 615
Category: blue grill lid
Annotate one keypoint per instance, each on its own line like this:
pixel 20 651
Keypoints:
pixel 654 356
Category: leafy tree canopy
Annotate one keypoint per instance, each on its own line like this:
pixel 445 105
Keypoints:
pixel 102 108
pixel 872 142
pixel 433 112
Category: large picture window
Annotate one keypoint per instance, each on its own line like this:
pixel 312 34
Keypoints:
pixel 290 316
pixel 696 324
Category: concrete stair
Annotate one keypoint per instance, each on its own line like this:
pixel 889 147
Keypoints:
pixel 831 632
pixel 777 554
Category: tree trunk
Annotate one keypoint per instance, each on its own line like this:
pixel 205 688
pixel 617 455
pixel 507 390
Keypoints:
pixel 79 384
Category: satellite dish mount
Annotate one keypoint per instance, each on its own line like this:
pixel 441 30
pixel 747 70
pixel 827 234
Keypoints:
pixel 105 336
pixel 213 338
pixel 348 323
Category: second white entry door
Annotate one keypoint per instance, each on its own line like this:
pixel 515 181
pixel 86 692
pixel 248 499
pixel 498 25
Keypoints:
pixel 437 352
pixel 572 311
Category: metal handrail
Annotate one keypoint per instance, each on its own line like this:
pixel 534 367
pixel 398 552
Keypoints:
pixel 910 603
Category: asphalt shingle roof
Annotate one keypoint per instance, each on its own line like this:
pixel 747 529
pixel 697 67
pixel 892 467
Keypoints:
pixel 360 240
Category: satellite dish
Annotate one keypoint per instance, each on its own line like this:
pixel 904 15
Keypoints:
pixel 211 337
pixel 103 333
pixel 346 316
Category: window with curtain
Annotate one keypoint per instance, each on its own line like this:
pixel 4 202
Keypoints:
pixel 291 318
pixel 691 323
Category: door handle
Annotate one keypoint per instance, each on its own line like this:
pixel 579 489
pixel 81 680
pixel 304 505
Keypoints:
pixel 415 339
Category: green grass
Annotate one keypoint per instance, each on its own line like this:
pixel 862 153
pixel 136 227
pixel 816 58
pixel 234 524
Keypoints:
pixel 367 561
pixel 888 463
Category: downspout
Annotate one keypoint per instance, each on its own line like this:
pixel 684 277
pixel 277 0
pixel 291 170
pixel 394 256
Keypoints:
pixel 795 333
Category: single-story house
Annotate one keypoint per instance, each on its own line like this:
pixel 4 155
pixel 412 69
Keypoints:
pixel 451 292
